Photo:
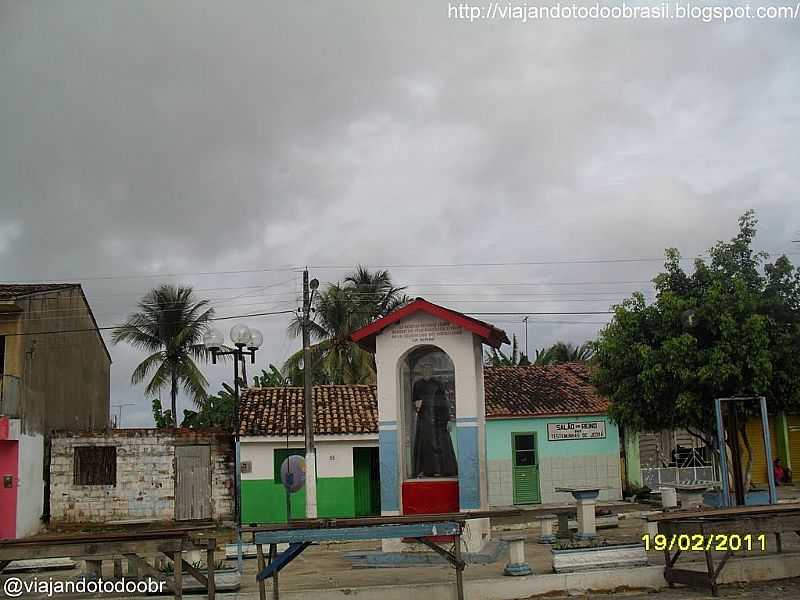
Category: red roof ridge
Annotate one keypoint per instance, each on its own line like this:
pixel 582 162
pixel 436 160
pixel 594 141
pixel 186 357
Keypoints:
pixel 491 335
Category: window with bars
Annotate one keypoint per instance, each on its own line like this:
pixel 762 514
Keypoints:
pixel 95 465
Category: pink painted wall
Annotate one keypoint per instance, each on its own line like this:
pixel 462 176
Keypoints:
pixel 9 464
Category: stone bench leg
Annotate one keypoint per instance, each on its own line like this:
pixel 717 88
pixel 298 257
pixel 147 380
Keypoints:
pixel 563 525
pixel 546 525
pixel 516 557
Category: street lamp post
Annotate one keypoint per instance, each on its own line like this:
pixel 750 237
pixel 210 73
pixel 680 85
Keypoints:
pixel 242 337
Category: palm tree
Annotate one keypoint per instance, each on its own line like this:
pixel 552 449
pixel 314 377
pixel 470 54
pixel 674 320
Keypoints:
pixel 498 358
pixel 562 352
pixel 342 308
pixel 374 293
pixel 169 325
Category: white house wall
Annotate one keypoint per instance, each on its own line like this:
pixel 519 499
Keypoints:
pixel 30 493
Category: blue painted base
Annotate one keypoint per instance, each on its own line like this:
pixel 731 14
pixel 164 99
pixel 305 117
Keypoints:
pixel 517 569
pixel 752 498
pixel 547 539
pixel 585 536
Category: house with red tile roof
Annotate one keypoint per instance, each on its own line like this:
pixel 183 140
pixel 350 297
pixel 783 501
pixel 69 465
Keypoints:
pixel 272 426
pixel 547 427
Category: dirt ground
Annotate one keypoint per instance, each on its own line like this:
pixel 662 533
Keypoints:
pixel 784 589
pixel 324 566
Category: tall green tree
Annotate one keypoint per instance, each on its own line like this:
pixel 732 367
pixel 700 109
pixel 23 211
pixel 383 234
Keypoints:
pixel 729 328
pixel 169 325
pixel 338 311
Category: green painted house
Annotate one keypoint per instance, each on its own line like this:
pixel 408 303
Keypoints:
pixel 547 427
pixel 346 440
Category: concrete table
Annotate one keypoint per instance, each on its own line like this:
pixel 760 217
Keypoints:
pixel 691 494
pixel 586 499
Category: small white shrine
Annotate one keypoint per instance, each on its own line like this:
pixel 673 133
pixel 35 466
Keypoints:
pixel 431 412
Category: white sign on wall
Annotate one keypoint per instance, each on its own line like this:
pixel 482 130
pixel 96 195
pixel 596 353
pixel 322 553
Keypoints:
pixel 576 430
pixel 424 331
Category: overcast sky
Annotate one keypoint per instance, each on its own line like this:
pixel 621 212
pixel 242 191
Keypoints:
pixel 140 138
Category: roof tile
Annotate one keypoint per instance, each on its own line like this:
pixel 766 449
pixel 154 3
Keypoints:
pixel 338 409
pixel 511 392
pixel 541 390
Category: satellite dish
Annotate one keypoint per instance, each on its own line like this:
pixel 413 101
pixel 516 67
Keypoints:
pixel 293 473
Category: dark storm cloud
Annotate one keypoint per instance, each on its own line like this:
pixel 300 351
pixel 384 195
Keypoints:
pixel 147 137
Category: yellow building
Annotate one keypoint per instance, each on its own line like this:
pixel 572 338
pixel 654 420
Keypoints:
pixel 784 433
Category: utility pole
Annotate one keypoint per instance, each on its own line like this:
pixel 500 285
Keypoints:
pixel 526 337
pixel 311 462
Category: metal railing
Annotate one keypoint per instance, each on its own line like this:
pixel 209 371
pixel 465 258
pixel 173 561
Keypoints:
pixel 655 477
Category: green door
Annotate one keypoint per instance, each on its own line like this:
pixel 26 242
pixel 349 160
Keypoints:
pixel 525 468
pixel 366 482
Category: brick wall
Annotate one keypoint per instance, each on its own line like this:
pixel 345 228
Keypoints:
pixel 145 481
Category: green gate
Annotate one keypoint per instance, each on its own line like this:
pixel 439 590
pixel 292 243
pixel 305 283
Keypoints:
pixel 525 468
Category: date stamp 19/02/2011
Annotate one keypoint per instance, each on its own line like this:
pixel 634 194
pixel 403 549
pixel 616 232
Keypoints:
pixel 718 542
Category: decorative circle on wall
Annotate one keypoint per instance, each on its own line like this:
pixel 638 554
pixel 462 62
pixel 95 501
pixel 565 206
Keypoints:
pixel 293 473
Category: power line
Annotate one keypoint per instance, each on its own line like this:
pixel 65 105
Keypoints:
pixel 522 314
pixel 568 261
pixel 295 268
pixel 156 275
pixel 109 327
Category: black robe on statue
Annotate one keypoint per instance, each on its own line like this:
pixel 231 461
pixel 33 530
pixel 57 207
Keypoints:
pixel 433 448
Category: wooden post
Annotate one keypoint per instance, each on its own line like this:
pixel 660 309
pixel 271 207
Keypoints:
pixel 273 552
pixel 262 590
pixel 668 567
pixel 95 567
pixel 177 565
pixel 210 566
pixel 133 569
pixel 459 568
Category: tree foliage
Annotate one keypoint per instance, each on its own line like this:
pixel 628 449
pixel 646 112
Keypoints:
pixel 497 358
pixel 729 328
pixel 169 325
pixel 562 352
pixel 338 311
pixel 215 411
pixel 270 378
